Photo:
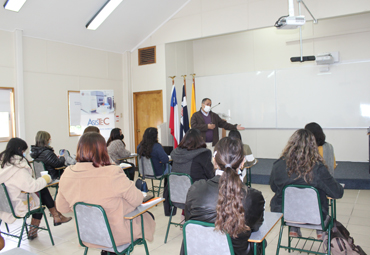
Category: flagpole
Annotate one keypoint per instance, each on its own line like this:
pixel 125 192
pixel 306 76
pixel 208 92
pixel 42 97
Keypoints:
pixel 173 79
pixel 184 76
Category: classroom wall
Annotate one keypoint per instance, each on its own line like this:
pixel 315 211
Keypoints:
pixel 219 49
pixel 50 70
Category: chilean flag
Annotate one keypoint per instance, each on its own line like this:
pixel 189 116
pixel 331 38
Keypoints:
pixel 174 118
pixel 184 121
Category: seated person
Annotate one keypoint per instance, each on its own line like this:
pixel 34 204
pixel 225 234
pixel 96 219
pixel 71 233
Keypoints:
pixel 117 150
pixel 94 180
pixel 300 163
pixel 150 148
pixel 44 153
pixel 225 200
pixel 92 129
pixel 326 150
pixel 192 157
pixel 16 174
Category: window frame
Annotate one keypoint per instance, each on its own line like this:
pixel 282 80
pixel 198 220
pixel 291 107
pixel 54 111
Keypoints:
pixel 12 122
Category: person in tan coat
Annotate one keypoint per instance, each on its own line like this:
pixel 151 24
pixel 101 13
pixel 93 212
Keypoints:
pixel 94 180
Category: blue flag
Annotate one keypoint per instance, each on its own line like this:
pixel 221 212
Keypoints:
pixel 184 121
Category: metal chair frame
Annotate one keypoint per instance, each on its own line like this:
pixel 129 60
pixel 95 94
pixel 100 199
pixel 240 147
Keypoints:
pixel 37 175
pixel 28 214
pixel 152 177
pixel 171 204
pixel 325 227
pixel 129 249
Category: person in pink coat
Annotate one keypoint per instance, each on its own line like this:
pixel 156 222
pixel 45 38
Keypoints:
pixel 94 180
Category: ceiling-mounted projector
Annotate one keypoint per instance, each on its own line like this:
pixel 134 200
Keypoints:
pixel 290 22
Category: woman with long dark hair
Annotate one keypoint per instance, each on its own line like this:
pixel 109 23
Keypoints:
pixel 225 200
pixel 301 163
pixel 117 150
pixel 150 148
pixel 192 157
pixel 94 180
pixel 326 150
pixel 17 175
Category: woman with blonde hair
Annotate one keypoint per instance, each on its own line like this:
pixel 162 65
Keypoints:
pixel 300 163
pixel 42 151
pixel 225 200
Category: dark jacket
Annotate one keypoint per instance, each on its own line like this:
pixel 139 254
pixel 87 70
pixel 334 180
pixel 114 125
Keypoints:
pixel 50 160
pixel 159 158
pixel 322 181
pixel 201 203
pixel 197 121
pixel 196 163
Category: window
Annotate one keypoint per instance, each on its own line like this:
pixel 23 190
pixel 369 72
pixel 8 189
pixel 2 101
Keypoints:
pixel 7 127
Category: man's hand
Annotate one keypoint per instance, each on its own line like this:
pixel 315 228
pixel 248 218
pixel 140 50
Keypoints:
pixel 239 127
pixel 211 126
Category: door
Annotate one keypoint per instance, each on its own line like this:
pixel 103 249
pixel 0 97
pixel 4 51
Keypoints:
pixel 148 112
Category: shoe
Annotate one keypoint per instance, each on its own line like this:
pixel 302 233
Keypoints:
pixel 32 232
pixel 58 217
pixel 319 234
pixel 2 242
pixel 295 232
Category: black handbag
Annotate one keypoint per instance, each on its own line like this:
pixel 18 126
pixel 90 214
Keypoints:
pixel 141 185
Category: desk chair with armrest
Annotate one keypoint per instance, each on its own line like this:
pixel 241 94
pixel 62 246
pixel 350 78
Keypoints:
pixel 93 227
pixel 7 206
pixel 302 208
pixel 178 186
pixel 146 170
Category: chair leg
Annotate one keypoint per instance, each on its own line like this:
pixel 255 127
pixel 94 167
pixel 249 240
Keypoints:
pixel 169 224
pixel 21 234
pixel 47 226
pixel 146 247
pixel 86 251
pixel 160 184
pixel 279 241
pixel 153 188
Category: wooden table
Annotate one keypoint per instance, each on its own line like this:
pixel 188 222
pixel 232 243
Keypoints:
pixel 270 220
pixel 142 209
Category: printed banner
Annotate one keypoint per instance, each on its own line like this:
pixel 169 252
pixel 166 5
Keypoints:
pixel 97 109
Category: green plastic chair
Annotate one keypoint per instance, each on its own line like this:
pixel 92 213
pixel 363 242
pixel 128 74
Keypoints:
pixel 178 186
pixel 93 227
pixel 201 238
pixel 301 207
pixel 7 206
pixel 146 171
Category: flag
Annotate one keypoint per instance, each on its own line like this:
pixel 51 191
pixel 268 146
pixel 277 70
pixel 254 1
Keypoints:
pixel 174 118
pixel 193 108
pixel 184 121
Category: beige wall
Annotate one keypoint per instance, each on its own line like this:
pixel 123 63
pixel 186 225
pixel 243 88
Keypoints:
pixel 50 70
pixel 219 48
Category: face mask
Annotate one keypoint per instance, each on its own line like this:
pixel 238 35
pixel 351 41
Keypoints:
pixel 207 108
pixel 24 154
pixel 121 136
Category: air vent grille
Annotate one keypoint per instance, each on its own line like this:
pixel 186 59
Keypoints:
pixel 147 56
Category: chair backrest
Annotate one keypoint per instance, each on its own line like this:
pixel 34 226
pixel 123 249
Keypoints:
pixel 92 225
pixel 5 203
pixel 179 184
pixel 38 167
pixel 301 204
pixel 201 238
pixel 145 166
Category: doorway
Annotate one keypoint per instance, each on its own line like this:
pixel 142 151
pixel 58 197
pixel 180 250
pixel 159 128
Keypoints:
pixel 148 112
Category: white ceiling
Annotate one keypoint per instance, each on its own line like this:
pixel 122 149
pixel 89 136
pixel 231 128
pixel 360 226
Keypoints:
pixel 65 21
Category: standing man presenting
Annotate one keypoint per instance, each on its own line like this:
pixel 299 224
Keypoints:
pixel 208 123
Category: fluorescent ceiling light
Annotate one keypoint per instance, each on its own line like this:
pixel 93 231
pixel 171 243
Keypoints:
pixel 14 5
pixel 104 12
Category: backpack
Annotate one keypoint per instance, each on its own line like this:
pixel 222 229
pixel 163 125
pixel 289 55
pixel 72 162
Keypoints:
pixel 341 242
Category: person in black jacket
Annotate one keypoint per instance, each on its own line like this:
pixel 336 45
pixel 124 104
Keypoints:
pixel 225 200
pixel 43 152
pixel 192 157
pixel 301 163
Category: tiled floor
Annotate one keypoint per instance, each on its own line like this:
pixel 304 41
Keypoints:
pixel 353 210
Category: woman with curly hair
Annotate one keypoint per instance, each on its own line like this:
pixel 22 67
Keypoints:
pixel 150 148
pixel 300 163
pixel 225 200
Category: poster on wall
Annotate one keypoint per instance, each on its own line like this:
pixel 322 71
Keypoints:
pixel 97 109
pixel 74 113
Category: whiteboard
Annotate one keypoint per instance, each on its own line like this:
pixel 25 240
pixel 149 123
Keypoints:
pixel 293 97
pixel 237 95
